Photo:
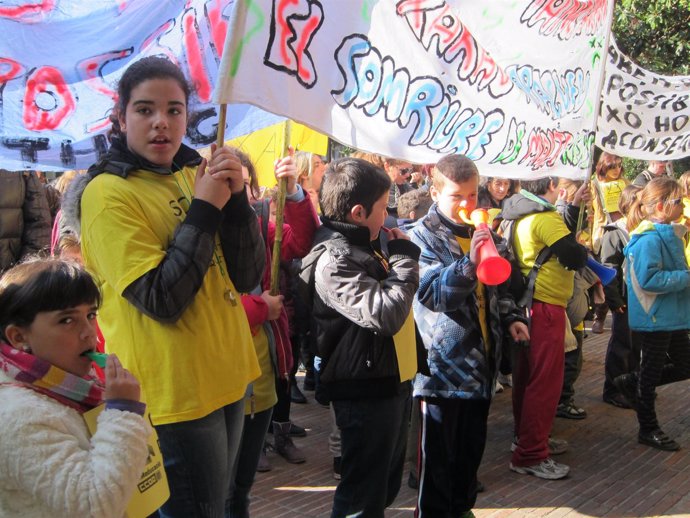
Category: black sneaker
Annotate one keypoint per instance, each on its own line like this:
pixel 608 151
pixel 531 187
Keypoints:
pixel 626 384
pixel 659 440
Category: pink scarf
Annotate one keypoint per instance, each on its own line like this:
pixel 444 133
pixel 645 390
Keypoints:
pixel 28 371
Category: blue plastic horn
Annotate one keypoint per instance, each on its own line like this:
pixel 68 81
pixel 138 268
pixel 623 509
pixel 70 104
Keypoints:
pixel 605 274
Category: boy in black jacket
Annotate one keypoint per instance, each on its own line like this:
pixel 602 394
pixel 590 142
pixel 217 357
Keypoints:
pixel 362 297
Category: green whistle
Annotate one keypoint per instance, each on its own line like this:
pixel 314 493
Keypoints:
pixel 98 358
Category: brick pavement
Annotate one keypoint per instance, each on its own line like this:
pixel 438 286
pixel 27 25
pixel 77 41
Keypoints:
pixel 611 474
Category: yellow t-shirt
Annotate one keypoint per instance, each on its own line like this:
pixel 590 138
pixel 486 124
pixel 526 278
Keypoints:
pixel 480 293
pixel 554 283
pixel 205 360
pixel 611 192
pixel 263 388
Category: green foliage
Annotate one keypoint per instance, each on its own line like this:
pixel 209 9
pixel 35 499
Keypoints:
pixel 655 34
pixel 338 150
pixel 632 167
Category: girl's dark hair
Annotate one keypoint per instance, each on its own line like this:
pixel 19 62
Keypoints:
pixel 39 285
pixel 151 67
pixel 246 161
pixel 348 182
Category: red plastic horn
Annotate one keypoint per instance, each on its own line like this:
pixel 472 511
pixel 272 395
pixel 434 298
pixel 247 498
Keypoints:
pixel 492 269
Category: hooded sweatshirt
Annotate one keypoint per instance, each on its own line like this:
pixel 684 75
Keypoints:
pixel 538 224
pixel 658 278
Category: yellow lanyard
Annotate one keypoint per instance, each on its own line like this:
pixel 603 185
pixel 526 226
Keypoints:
pixel 382 260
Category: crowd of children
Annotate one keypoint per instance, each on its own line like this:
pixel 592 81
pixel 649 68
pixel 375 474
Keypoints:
pixel 176 251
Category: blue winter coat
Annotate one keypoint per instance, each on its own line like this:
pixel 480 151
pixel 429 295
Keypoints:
pixel 446 313
pixel 658 278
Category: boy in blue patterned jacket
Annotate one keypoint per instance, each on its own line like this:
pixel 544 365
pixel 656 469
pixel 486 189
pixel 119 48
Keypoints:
pixel 462 323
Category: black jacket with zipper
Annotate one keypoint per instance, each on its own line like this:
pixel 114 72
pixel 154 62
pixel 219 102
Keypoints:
pixel 358 303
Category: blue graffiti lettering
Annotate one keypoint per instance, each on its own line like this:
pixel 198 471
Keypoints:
pixel 391 95
pixel 555 96
pixel 424 94
pixel 373 84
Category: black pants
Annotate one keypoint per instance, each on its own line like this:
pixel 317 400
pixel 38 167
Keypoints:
pixel 656 369
pixel 622 353
pixel 373 435
pixel 281 412
pixel 572 369
pixel 452 445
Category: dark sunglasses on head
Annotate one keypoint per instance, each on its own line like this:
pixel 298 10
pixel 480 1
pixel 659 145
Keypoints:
pixel 676 201
pixel 406 170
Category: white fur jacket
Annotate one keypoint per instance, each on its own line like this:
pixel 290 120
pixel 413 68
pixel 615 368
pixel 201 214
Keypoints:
pixel 50 468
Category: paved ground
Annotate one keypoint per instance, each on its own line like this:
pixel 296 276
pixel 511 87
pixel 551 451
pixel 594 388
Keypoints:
pixel 611 474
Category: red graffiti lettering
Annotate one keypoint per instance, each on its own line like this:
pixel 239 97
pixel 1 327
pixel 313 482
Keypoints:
pixel 195 58
pixel 545 147
pixel 437 24
pixel 218 24
pixel 566 18
pixel 414 11
pixel 91 70
pixel 27 12
pixel 48 101
pixel 454 43
pixel 99 125
pixel 285 32
pixel 9 69
pixel 293 26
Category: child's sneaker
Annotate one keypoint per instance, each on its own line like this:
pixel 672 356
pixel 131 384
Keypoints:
pixel 505 379
pixel 548 469
pixel 556 446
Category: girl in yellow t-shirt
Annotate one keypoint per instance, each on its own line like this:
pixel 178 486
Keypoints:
pixel 607 185
pixel 172 240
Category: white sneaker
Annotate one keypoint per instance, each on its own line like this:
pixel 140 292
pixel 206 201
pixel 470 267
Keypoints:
pixel 556 446
pixel 548 469
pixel 505 379
pixel 499 387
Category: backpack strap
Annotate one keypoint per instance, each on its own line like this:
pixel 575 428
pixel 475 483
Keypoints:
pixel 531 281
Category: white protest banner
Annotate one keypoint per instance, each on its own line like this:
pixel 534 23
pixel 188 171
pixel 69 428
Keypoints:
pixel 60 62
pixel 512 85
pixel 644 115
